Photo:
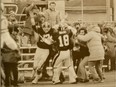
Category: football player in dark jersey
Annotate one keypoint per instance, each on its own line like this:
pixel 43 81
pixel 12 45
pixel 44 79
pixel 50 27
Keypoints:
pixel 63 39
pixel 44 43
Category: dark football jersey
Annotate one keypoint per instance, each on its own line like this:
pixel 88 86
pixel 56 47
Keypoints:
pixel 42 34
pixel 63 40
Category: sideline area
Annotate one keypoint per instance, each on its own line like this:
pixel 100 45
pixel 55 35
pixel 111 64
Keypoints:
pixel 109 82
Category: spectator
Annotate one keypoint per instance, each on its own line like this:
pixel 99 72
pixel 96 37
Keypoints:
pixel 84 53
pixel 8 51
pixel 51 15
pixel 28 26
pixel 110 42
pixel 77 26
pixel 10 61
pixel 95 60
pixel 11 18
pixel 15 35
pixel 13 25
pixel 24 39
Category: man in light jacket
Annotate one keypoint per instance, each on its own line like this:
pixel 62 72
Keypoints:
pixel 95 60
pixel 51 15
pixel 5 36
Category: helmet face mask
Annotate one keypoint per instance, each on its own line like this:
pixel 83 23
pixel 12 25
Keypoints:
pixel 46 27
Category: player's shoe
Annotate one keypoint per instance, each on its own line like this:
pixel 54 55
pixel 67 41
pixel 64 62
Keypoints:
pixel 74 82
pixel 83 80
pixel 97 80
pixel 55 83
pixel 35 81
pixel 101 81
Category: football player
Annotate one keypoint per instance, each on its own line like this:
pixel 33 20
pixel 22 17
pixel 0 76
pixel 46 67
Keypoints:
pixel 44 43
pixel 64 43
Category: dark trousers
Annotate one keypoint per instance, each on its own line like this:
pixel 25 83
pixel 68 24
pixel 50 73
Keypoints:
pixel 76 59
pixel 8 69
pixel 113 64
pixel 106 62
pixel 112 61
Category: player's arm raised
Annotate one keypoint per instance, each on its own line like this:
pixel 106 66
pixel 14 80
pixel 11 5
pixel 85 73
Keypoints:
pixel 32 18
pixel 33 21
pixel 29 7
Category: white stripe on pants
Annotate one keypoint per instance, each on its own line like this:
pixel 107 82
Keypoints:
pixel 66 58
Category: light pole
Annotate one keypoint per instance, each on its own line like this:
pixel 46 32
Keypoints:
pixel 82 11
pixel 108 10
pixel 114 2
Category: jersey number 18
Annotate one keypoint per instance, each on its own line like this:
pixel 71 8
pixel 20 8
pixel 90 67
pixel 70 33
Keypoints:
pixel 63 40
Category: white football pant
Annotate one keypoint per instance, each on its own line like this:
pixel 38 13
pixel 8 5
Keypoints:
pixel 65 57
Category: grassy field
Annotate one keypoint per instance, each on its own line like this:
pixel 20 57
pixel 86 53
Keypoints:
pixel 109 82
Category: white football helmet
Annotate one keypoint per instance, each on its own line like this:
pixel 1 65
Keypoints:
pixel 46 26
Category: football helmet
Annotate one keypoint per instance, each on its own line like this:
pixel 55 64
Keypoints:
pixel 46 27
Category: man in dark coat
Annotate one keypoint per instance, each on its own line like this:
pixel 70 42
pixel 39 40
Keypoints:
pixel 10 60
